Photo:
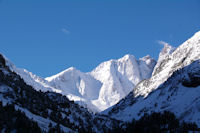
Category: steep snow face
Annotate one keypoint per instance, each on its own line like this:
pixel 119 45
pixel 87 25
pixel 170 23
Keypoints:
pixel 105 85
pixel 179 94
pixel 188 52
pixel 119 78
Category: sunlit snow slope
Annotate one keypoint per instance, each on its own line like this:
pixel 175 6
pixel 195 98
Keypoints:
pixel 174 86
pixel 185 54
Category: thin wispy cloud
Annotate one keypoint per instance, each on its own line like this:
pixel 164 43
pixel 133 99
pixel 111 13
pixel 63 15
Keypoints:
pixel 168 48
pixel 66 31
pixel 162 42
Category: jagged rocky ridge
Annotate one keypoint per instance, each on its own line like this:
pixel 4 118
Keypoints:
pixel 174 86
pixel 184 55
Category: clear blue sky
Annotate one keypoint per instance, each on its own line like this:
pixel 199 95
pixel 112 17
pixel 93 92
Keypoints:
pixel 48 36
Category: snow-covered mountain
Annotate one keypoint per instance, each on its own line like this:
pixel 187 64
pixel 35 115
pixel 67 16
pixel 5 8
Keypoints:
pixel 97 90
pixel 137 86
pixel 118 78
pixel 23 109
pixel 106 84
pixel 174 86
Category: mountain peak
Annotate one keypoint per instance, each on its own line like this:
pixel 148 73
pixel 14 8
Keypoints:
pixel 71 69
pixel 127 57
pixel 145 57
pixel 167 49
pixel 148 59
